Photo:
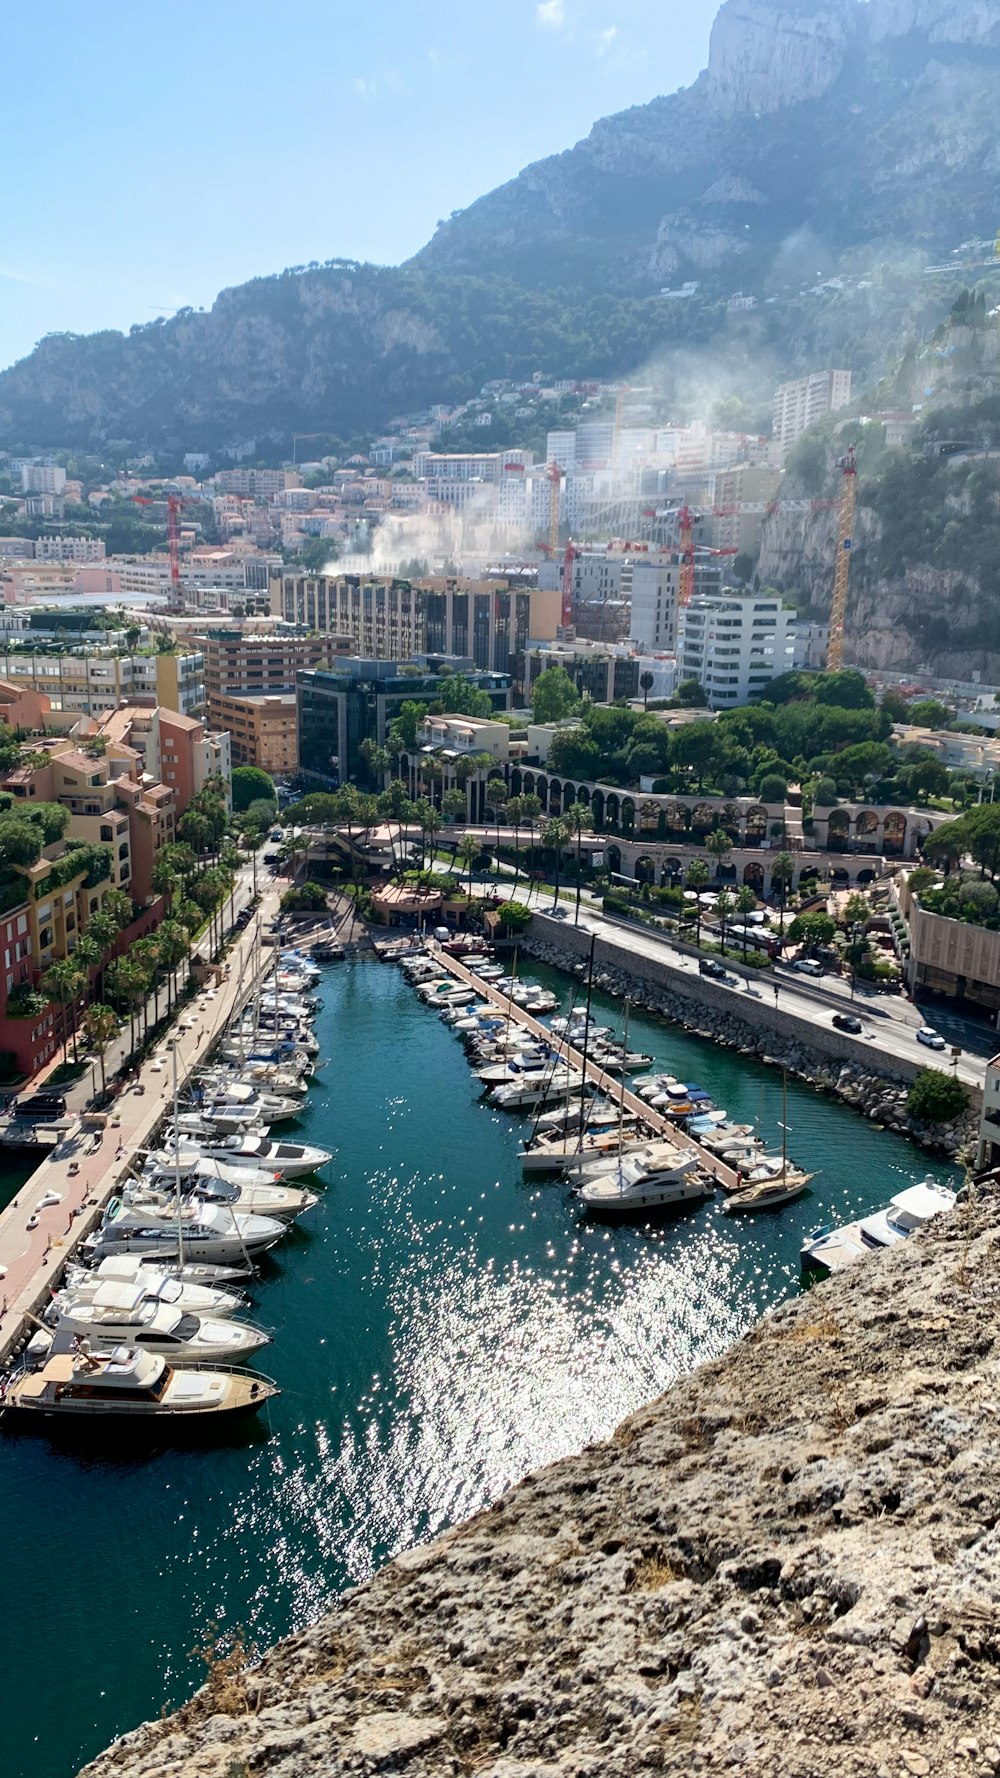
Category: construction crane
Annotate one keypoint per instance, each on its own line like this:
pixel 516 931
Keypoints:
pixel 554 474
pixel 174 504
pixel 841 574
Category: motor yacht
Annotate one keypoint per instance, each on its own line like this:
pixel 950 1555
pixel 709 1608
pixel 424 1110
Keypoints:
pixel 635 1185
pixel 266 1077
pixel 558 1083
pixel 118 1315
pixel 651 1154
pixel 255 1103
pixel 153 1287
pixel 284 1202
pixel 208 1232
pixel 528 1062
pixel 555 1153
pixel 834 1250
pixel 134 1385
pixel 285 1160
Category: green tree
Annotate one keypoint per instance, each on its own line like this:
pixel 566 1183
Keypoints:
pixel 554 696
pixel 691 695
pixel 579 821
pixel 772 789
pixel 63 982
pixel 469 849
pixel 720 845
pixel 454 803
pixel 100 1027
pixel 811 930
pixel 555 835
pixel 646 683
pixel 175 945
pixel 782 873
pixel 936 1097
pixel 251 784
pixel 825 793
pixel 497 796
pixel 725 905
pixel 514 916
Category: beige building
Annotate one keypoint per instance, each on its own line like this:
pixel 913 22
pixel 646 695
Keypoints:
pixel 262 728
pixel 950 956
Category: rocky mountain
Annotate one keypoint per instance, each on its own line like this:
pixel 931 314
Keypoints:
pixel 821 137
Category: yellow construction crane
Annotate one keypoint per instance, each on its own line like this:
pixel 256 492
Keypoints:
pixel 845 540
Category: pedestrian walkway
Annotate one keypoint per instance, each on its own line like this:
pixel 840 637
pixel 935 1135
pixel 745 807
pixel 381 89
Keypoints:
pixel 65 1196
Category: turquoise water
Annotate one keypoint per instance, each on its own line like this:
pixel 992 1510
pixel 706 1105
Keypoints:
pixel 440 1328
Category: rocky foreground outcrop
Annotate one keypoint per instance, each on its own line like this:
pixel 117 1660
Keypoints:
pixel 790 1564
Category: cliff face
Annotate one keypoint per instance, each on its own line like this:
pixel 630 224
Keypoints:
pixel 789 1563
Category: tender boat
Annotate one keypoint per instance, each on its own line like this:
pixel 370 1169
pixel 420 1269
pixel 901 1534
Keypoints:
pixel 284 1202
pixel 134 1385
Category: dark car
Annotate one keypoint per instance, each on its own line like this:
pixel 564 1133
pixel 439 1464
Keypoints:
pixel 37 1107
pixel 710 966
pixel 845 1021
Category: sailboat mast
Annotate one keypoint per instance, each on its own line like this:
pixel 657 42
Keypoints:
pixel 177 1160
pixel 586 1039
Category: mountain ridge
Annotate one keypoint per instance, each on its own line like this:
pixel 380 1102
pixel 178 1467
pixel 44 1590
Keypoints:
pixel 817 138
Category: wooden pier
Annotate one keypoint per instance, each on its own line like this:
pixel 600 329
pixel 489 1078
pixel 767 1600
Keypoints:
pixel 608 1084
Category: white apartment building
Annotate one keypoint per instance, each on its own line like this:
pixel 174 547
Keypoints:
pixel 560 447
pixel 70 549
pixel 42 478
pixel 800 404
pixel 734 646
pixel 809 645
pixel 655 588
pixel 466 466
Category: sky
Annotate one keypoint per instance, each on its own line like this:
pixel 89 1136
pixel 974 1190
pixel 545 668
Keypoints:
pixel 157 154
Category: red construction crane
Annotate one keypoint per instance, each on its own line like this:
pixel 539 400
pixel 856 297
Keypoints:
pixel 174 504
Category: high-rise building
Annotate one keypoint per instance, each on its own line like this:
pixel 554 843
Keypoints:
pixel 799 404
pixel 734 645
pixel 354 702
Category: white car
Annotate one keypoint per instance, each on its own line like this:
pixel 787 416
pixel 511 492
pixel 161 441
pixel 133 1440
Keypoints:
pixel 931 1038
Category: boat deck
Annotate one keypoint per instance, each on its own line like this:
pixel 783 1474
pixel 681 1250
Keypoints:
pixel 609 1084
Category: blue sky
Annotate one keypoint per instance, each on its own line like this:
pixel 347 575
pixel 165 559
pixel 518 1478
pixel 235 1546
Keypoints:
pixel 156 154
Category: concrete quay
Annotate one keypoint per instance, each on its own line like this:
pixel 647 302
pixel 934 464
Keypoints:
pixel 38 1238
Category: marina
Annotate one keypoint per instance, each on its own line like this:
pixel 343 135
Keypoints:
pixel 441 1325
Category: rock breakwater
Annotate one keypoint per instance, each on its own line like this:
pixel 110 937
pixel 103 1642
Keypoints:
pixel 788 1563
pixel 879 1096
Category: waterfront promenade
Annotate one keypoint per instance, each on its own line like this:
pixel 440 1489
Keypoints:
pixel 37 1237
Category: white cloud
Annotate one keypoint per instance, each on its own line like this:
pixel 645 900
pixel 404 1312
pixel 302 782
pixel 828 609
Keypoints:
pixel 550 15
pixel 605 39
pixel 366 89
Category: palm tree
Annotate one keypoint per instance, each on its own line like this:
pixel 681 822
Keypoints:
pixel 646 683
pixel 698 875
pixel 430 827
pixel 100 1024
pixel 118 906
pixel 145 957
pixel 720 845
pixel 579 821
pixel 782 872
pixel 174 945
pixel 496 799
pixel 468 850
pixel 165 878
pixel 746 901
pixel 724 906
pixel 62 982
pixel 515 815
pixel 555 835
pixel 531 809
pixel 454 803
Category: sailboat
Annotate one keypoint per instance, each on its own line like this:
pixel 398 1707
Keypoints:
pixel 769 1182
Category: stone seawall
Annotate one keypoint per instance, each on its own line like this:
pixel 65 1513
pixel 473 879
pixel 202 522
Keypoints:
pixel 788 1564
pixel 874 1083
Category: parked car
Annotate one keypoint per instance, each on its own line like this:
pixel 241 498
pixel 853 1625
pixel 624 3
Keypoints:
pixel 931 1038
pixel 558 914
pixel 712 967
pixel 845 1021
pixel 808 966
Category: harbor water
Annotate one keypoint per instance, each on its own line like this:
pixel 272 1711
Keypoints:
pixel 441 1326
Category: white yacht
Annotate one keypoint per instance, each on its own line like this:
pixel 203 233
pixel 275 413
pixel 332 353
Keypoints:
pixel 204 1232
pixel 118 1315
pixel 153 1287
pixel 263 1077
pixel 284 1160
pixel 134 1385
pixel 556 1083
pixel 834 1250
pixel 527 1064
pixel 257 1104
pixel 651 1154
pixel 557 1153
pixel 636 1185
pixel 284 1202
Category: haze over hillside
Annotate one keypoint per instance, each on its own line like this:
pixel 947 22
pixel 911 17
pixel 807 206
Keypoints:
pixel 821 138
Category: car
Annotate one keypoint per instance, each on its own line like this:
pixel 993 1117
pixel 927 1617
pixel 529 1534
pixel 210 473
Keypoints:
pixel 845 1021
pixel 808 966
pixel 711 967
pixel 558 914
pixel 931 1038
pixel 275 834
